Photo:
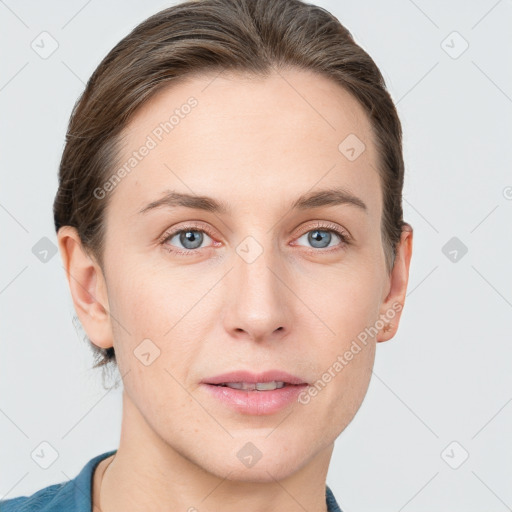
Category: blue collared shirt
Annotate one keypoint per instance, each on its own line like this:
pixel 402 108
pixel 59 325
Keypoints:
pixel 75 495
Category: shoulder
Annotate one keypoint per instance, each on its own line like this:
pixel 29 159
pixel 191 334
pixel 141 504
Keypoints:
pixel 332 504
pixel 71 496
pixel 44 500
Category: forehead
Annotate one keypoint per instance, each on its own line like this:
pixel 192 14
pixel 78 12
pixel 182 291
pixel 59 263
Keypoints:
pixel 243 139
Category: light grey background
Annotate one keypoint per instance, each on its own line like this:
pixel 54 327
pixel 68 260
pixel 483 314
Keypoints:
pixel 445 377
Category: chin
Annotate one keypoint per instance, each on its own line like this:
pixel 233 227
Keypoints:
pixel 262 468
pixel 261 473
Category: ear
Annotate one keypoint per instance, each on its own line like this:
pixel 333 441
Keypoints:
pixel 391 308
pixel 88 287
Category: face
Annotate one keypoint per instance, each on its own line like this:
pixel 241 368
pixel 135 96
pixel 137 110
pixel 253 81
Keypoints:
pixel 253 278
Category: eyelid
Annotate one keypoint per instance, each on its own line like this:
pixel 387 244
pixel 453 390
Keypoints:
pixel 343 233
pixel 187 226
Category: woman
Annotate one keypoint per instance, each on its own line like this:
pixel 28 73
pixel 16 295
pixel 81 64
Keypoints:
pixel 229 215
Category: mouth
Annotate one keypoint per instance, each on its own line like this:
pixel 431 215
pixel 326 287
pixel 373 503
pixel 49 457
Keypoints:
pixel 255 394
pixel 247 381
pixel 256 386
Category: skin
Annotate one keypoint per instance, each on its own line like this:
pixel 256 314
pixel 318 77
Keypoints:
pixel 256 144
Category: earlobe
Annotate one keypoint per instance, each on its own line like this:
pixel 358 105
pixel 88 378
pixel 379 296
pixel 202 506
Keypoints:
pixel 391 309
pixel 87 286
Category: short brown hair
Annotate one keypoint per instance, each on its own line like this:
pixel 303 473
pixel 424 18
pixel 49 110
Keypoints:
pixel 253 36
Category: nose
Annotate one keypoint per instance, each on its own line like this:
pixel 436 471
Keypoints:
pixel 259 306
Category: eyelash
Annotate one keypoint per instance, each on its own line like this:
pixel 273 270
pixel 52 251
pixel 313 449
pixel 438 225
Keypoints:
pixel 319 226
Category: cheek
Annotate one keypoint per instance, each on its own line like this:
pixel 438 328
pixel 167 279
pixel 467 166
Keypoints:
pixel 355 378
pixel 341 385
pixel 159 312
pixel 344 300
pixel 150 301
pixel 347 303
pixel 152 334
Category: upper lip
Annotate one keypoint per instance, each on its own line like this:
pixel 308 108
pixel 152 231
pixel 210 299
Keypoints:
pixel 246 376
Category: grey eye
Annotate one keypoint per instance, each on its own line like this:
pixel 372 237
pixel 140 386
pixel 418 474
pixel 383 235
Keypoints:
pixel 319 238
pixel 190 238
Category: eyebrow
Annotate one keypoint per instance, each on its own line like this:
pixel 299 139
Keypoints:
pixel 327 197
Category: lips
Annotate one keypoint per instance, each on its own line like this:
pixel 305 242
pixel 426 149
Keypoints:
pixel 254 394
pixel 246 377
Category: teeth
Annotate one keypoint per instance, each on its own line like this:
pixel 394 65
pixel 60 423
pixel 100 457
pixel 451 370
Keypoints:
pixel 259 386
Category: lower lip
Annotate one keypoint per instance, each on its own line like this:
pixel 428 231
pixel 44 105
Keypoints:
pixel 256 402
